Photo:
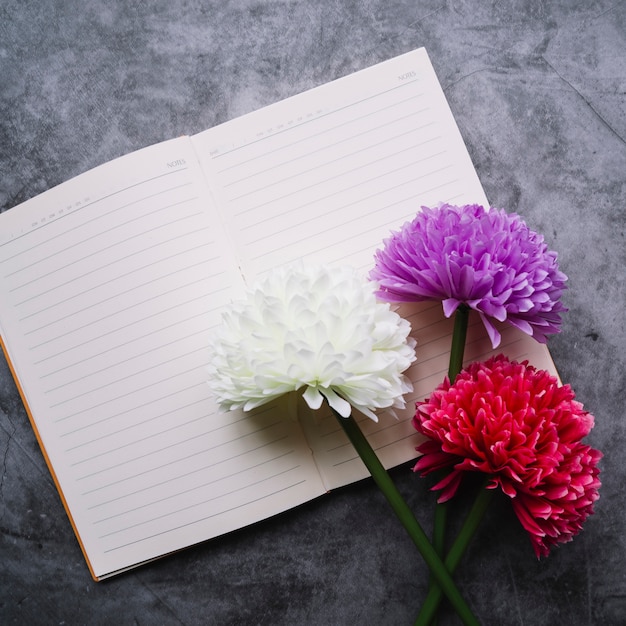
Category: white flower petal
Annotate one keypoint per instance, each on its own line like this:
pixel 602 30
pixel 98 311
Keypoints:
pixel 317 327
pixel 313 397
pixel 367 412
pixel 337 403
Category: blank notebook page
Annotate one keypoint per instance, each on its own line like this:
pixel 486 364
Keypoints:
pixel 114 280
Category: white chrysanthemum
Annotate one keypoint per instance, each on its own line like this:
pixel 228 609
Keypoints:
pixel 320 328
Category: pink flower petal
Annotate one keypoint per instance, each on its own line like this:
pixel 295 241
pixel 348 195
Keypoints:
pixel 518 426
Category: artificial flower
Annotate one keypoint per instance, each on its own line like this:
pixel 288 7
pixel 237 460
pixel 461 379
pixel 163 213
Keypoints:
pixel 322 329
pixel 523 430
pixel 316 328
pixel 486 259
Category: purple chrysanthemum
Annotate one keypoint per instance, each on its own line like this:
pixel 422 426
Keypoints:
pixel 488 260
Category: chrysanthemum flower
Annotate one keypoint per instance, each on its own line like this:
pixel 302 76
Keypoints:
pixel 519 427
pixel 486 259
pixel 320 329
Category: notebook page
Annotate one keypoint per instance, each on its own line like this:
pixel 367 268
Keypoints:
pixel 326 175
pixel 110 284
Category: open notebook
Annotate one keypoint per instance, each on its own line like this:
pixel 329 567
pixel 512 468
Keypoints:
pixel 110 283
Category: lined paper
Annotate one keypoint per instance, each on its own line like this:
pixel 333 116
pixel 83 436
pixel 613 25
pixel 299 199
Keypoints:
pixel 327 174
pixel 111 285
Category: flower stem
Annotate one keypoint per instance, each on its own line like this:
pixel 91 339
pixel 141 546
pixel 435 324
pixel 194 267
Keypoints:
pixel 457 349
pixel 459 334
pixel 457 550
pixel 439 543
pixel 405 515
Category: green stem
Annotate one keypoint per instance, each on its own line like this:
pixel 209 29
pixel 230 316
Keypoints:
pixel 435 594
pixel 406 517
pixel 459 334
pixel 439 541
pixel 457 349
pixel 439 535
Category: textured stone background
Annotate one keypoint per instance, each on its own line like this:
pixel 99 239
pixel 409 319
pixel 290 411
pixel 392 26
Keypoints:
pixel 539 92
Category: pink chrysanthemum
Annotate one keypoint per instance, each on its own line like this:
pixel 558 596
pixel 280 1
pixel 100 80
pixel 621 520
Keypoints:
pixel 488 260
pixel 518 426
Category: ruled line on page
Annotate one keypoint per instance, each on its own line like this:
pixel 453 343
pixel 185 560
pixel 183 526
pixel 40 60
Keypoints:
pixel 345 254
pixel 201 502
pixel 116 364
pixel 103 283
pixel 133 442
pixel 155 313
pixel 248 502
pixel 351 187
pixel 316 217
pixel 154 331
pixel 126 394
pixel 315 134
pixel 305 154
pixel 193 475
pixel 351 456
pixel 131 409
pixel 349 128
pixel 81 241
pixel 185 475
pixel 84 257
pixel 90 456
pixel 313 185
pixel 203 485
pixel 87 205
pixel 349 220
pixel 178 305
pixel 129 374
pixel 138 425
pixel 328 228
pixel 169 446
pixel 349 106
pixel 175 461
pixel 325 162
pixel 308 181
pixel 339 445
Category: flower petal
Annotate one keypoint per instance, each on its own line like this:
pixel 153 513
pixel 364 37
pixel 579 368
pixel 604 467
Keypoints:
pixel 316 327
pixel 522 429
pixel 313 397
pixel 484 258
pixel 338 403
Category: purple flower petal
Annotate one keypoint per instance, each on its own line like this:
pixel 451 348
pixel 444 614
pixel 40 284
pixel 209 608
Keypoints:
pixel 484 258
